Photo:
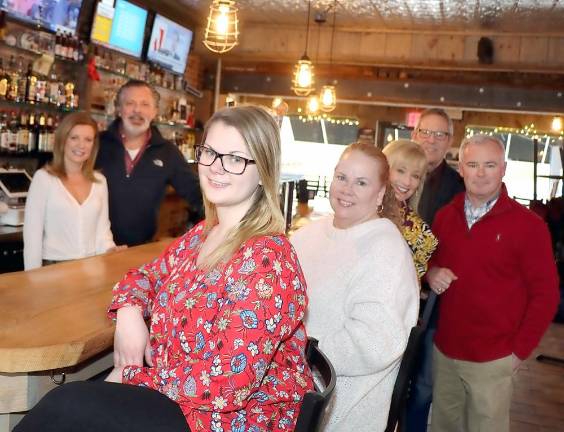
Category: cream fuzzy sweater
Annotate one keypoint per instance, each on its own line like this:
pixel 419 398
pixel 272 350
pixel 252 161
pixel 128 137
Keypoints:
pixel 363 301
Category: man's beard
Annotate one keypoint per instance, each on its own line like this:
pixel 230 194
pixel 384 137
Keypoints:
pixel 135 130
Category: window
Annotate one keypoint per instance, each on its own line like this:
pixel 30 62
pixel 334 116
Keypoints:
pixel 312 148
pixel 342 134
pixel 308 131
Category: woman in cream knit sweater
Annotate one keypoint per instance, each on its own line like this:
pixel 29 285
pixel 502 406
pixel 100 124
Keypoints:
pixel 363 289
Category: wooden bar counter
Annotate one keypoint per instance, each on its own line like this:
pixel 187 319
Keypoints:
pixel 53 325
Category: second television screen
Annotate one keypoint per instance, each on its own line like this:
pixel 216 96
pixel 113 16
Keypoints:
pixel 169 44
pixel 121 28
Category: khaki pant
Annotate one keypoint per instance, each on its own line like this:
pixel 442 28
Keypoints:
pixel 471 396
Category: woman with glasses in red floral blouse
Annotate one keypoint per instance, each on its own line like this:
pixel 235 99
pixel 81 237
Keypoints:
pixel 225 304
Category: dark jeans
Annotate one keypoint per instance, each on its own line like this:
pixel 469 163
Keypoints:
pixel 93 406
pixel 421 395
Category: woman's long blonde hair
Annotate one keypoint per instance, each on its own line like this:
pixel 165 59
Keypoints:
pixel 411 154
pixel 390 208
pixel 262 137
pixel 57 166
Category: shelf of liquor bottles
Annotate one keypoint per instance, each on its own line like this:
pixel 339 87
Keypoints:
pixel 22 87
pixel 157 77
pixel 36 50
pixel 27 133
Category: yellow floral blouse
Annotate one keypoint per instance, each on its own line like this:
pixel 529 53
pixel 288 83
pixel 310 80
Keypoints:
pixel 419 237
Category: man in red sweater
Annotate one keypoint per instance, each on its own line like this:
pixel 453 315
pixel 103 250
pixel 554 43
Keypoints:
pixel 498 283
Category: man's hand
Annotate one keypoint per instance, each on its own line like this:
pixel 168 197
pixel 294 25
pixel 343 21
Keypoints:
pixel 131 339
pixel 440 278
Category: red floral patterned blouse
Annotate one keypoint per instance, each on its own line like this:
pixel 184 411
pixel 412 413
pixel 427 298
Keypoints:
pixel 227 346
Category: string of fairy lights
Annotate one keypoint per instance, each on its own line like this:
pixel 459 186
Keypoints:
pixel 327 118
pixel 529 131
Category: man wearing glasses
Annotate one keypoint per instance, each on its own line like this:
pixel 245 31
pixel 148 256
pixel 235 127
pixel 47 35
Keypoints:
pixel 434 132
pixel 139 164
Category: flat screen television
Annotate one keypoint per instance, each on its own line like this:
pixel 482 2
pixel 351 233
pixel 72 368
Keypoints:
pixel 51 14
pixel 120 26
pixel 169 44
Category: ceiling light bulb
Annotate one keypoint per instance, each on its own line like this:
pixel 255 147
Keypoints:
pixel 313 104
pixel 304 75
pixel 328 98
pixel 222 20
pixel 556 124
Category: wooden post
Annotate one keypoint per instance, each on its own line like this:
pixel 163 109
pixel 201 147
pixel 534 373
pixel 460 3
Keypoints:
pixel 217 85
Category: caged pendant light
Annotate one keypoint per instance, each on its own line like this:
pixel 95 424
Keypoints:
pixel 328 95
pixel 222 30
pixel 302 82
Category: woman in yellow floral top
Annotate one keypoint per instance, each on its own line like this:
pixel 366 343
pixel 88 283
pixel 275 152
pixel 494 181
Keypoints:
pixel 408 166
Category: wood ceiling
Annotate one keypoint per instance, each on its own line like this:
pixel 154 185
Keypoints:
pixel 420 45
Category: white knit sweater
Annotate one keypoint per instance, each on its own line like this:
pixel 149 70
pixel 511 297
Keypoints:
pixel 363 301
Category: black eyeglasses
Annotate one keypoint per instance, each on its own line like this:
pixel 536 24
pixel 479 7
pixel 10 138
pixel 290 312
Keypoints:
pixel 231 163
pixel 439 135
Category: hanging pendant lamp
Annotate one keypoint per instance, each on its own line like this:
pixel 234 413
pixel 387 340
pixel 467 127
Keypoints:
pixel 303 77
pixel 222 31
pixel 328 95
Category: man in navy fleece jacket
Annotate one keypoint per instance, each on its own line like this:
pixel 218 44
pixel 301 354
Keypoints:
pixel 138 164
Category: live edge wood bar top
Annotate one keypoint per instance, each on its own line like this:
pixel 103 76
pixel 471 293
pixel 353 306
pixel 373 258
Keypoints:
pixel 55 316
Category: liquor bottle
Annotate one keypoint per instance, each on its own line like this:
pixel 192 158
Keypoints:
pixel 13 132
pixel 53 87
pixel 41 93
pixel 64 45
pixel 14 80
pixel 22 80
pixel 61 94
pixel 4 132
pixel 69 95
pixel 32 136
pixel 58 45
pixel 42 134
pixel 70 47
pixel 23 133
pixel 30 85
pixel 50 128
pixel 4 81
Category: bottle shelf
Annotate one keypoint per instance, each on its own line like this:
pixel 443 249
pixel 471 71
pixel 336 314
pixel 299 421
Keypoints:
pixel 187 89
pixel 169 124
pixel 8 104
pixel 38 53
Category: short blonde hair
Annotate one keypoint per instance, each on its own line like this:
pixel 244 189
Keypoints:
pixel 261 134
pixel 411 154
pixel 57 166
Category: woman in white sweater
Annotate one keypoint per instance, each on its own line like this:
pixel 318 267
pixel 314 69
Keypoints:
pixel 66 212
pixel 363 289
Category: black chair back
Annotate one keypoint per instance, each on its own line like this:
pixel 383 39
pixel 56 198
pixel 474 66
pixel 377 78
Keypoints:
pixel 314 403
pixel 400 395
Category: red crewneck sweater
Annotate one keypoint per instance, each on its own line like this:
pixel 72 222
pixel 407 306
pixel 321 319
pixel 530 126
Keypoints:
pixel 507 288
